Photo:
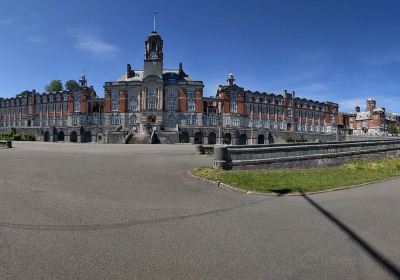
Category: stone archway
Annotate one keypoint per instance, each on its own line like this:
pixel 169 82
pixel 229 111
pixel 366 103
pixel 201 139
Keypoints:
pixel 87 137
pixel 61 136
pixel 73 137
pixel 242 139
pixel 184 137
pixel 46 137
pixel 261 139
pixel 99 137
pixel 212 138
pixel 227 139
pixel 198 138
pixel 271 139
pixel 151 119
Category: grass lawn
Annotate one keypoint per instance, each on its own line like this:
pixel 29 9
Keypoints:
pixel 306 180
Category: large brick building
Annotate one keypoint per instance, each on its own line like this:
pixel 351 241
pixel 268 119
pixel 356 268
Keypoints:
pixel 154 104
pixel 372 121
pixel 154 98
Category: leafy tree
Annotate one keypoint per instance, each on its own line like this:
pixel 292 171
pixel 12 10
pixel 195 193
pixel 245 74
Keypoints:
pixel 13 131
pixel 54 85
pixel 392 128
pixel 72 85
pixel 23 93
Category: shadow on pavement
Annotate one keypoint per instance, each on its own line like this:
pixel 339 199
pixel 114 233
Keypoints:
pixel 281 192
pixel 373 253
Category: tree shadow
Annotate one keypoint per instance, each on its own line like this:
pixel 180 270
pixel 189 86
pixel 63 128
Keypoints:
pixel 387 264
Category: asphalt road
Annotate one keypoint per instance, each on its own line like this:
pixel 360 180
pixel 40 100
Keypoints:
pixel 91 211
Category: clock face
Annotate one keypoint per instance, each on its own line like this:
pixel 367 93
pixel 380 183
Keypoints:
pixel 153 55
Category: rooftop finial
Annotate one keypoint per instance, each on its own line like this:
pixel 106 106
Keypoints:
pixel 155 13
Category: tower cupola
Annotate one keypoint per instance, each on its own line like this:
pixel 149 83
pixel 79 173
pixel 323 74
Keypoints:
pixel 231 79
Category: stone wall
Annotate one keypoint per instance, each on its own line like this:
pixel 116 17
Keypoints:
pixel 301 155
pixel 194 135
pixel 114 137
pixel 81 134
pixel 202 135
pixel 369 138
pixel 5 144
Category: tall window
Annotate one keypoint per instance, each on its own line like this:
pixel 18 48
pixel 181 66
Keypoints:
pixel 74 119
pixel 233 106
pixel 115 118
pixel 132 119
pixel 151 105
pixel 171 120
pixel 132 97
pixel 190 93
pixel 77 102
pixel 171 93
pixel 115 100
pixel 191 106
pixel 152 91
pixel 172 105
pixel 213 120
pixel 191 120
pixel 235 121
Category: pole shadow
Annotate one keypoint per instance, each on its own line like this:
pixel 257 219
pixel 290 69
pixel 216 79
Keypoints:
pixel 386 264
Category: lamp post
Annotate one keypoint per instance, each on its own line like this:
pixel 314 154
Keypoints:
pixel 252 124
pixel 220 119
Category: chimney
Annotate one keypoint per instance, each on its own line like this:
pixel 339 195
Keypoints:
pixel 129 72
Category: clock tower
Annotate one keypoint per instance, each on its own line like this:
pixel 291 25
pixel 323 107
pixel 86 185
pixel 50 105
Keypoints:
pixel 153 54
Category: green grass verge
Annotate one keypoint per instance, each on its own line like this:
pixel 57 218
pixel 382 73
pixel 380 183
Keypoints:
pixel 305 180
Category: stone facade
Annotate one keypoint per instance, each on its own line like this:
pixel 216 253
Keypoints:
pixel 158 105
pixel 372 121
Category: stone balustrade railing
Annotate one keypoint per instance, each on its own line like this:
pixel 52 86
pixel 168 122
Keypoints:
pixel 300 154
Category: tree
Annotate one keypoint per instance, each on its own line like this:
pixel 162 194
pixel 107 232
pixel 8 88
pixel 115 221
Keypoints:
pixel 72 85
pixel 392 128
pixel 23 93
pixel 54 85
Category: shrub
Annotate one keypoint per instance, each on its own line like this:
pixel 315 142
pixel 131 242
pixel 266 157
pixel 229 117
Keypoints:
pixel 17 137
pixel 296 140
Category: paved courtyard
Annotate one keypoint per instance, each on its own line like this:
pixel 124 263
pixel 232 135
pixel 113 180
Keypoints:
pixel 91 211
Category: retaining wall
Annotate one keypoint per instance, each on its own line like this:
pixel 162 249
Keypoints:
pixel 301 155
pixel 4 144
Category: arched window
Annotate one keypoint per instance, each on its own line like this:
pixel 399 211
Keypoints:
pixel 172 120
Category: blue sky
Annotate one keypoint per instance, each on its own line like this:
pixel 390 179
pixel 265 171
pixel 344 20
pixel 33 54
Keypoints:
pixel 330 50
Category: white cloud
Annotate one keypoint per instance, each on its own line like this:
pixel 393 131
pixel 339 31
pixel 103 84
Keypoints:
pixel 89 39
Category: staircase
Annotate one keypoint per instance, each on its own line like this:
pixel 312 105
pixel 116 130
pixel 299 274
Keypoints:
pixel 134 137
